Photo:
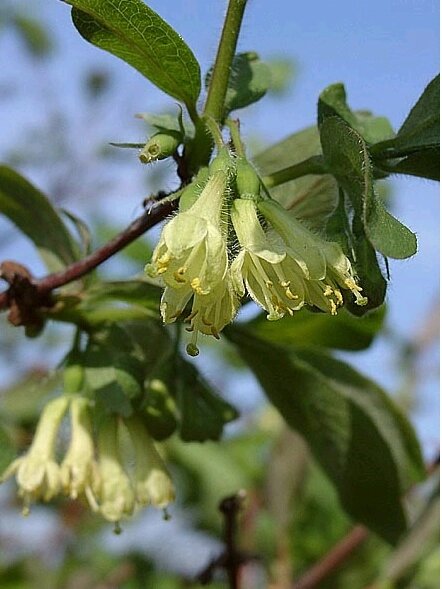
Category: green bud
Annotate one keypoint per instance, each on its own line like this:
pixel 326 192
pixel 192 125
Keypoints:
pixel 160 146
pixel 247 180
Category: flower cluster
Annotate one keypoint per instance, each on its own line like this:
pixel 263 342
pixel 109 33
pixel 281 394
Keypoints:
pixel 93 469
pixel 224 246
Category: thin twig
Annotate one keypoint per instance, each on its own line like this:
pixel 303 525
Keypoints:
pixel 82 267
pixel 336 557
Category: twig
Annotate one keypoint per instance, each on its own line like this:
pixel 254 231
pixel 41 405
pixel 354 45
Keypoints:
pixel 231 559
pixel 78 269
pixel 336 557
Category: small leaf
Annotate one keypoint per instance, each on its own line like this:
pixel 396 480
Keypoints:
pixel 250 79
pixel 139 36
pixel 203 412
pixel 167 122
pixel 35 216
pixel 343 331
pixel 366 447
pixel 347 157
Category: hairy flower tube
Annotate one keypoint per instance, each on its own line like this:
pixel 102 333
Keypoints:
pixel 272 278
pixel 37 472
pixel 153 484
pixel 78 470
pixel 191 258
pixel 112 495
pixel 281 275
pixel 323 291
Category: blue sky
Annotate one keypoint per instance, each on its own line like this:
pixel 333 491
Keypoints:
pixel 384 51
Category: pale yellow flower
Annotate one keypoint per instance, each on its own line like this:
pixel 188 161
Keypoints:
pixel 112 495
pixel 37 472
pixel 79 469
pixel 324 287
pixel 153 484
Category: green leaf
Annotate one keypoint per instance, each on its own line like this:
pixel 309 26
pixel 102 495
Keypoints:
pixel 343 331
pixel 420 130
pixel 34 215
pixel 167 122
pixel 7 450
pixel 21 403
pixel 160 412
pixel 346 155
pixel 249 81
pixel 139 36
pixel 333 102
pixel 424 164
pixel 203 413
pixel 311 198
pixel 366 447
pixel 114 369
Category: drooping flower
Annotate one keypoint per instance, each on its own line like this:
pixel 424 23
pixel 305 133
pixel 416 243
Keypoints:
pixel 112 495
pixel 272 278
pixel 289 267
pixel 325 292
pixel 78 470
pixel 153 484
pixel 191 254
pixel 37 472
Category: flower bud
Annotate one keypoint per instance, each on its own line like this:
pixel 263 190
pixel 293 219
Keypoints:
pixel 160 146
pixel 247 180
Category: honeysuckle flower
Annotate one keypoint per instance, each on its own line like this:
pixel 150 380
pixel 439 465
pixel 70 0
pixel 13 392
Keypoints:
pixel 153 484
pixel 273 279
pixel 37 472
pixel 336 271
pixel 112 495
pixel 78 470
pixel 191 254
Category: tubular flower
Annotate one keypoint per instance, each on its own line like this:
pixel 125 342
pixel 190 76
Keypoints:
pixel 78 470
pixel 330 275
pixel 191 255
pixel 37 473
pixel 273 279
pixel 153 484
pixel 112 494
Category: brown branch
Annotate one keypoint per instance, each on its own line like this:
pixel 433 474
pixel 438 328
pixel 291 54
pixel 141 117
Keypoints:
pixel 335 558
pixel 43 286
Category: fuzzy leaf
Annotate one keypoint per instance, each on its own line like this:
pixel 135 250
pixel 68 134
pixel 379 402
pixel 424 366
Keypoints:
pixel 346 155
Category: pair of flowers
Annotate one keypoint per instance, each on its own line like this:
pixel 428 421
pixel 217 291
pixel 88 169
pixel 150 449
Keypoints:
pixel 93 470
pixel 217 250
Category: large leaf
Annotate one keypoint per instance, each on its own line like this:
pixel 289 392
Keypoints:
pixel 424 164
pixel 34 215
pixel 346 155
pixel 135 33
pixel 366 447
pixel 250 79
pixel 343 331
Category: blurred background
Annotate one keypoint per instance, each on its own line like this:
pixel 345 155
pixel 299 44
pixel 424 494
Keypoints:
pixel 62 102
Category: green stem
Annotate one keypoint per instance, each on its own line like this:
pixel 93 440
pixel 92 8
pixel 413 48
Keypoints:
pixel 219 80
pixel 236 137
pixel 312 165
